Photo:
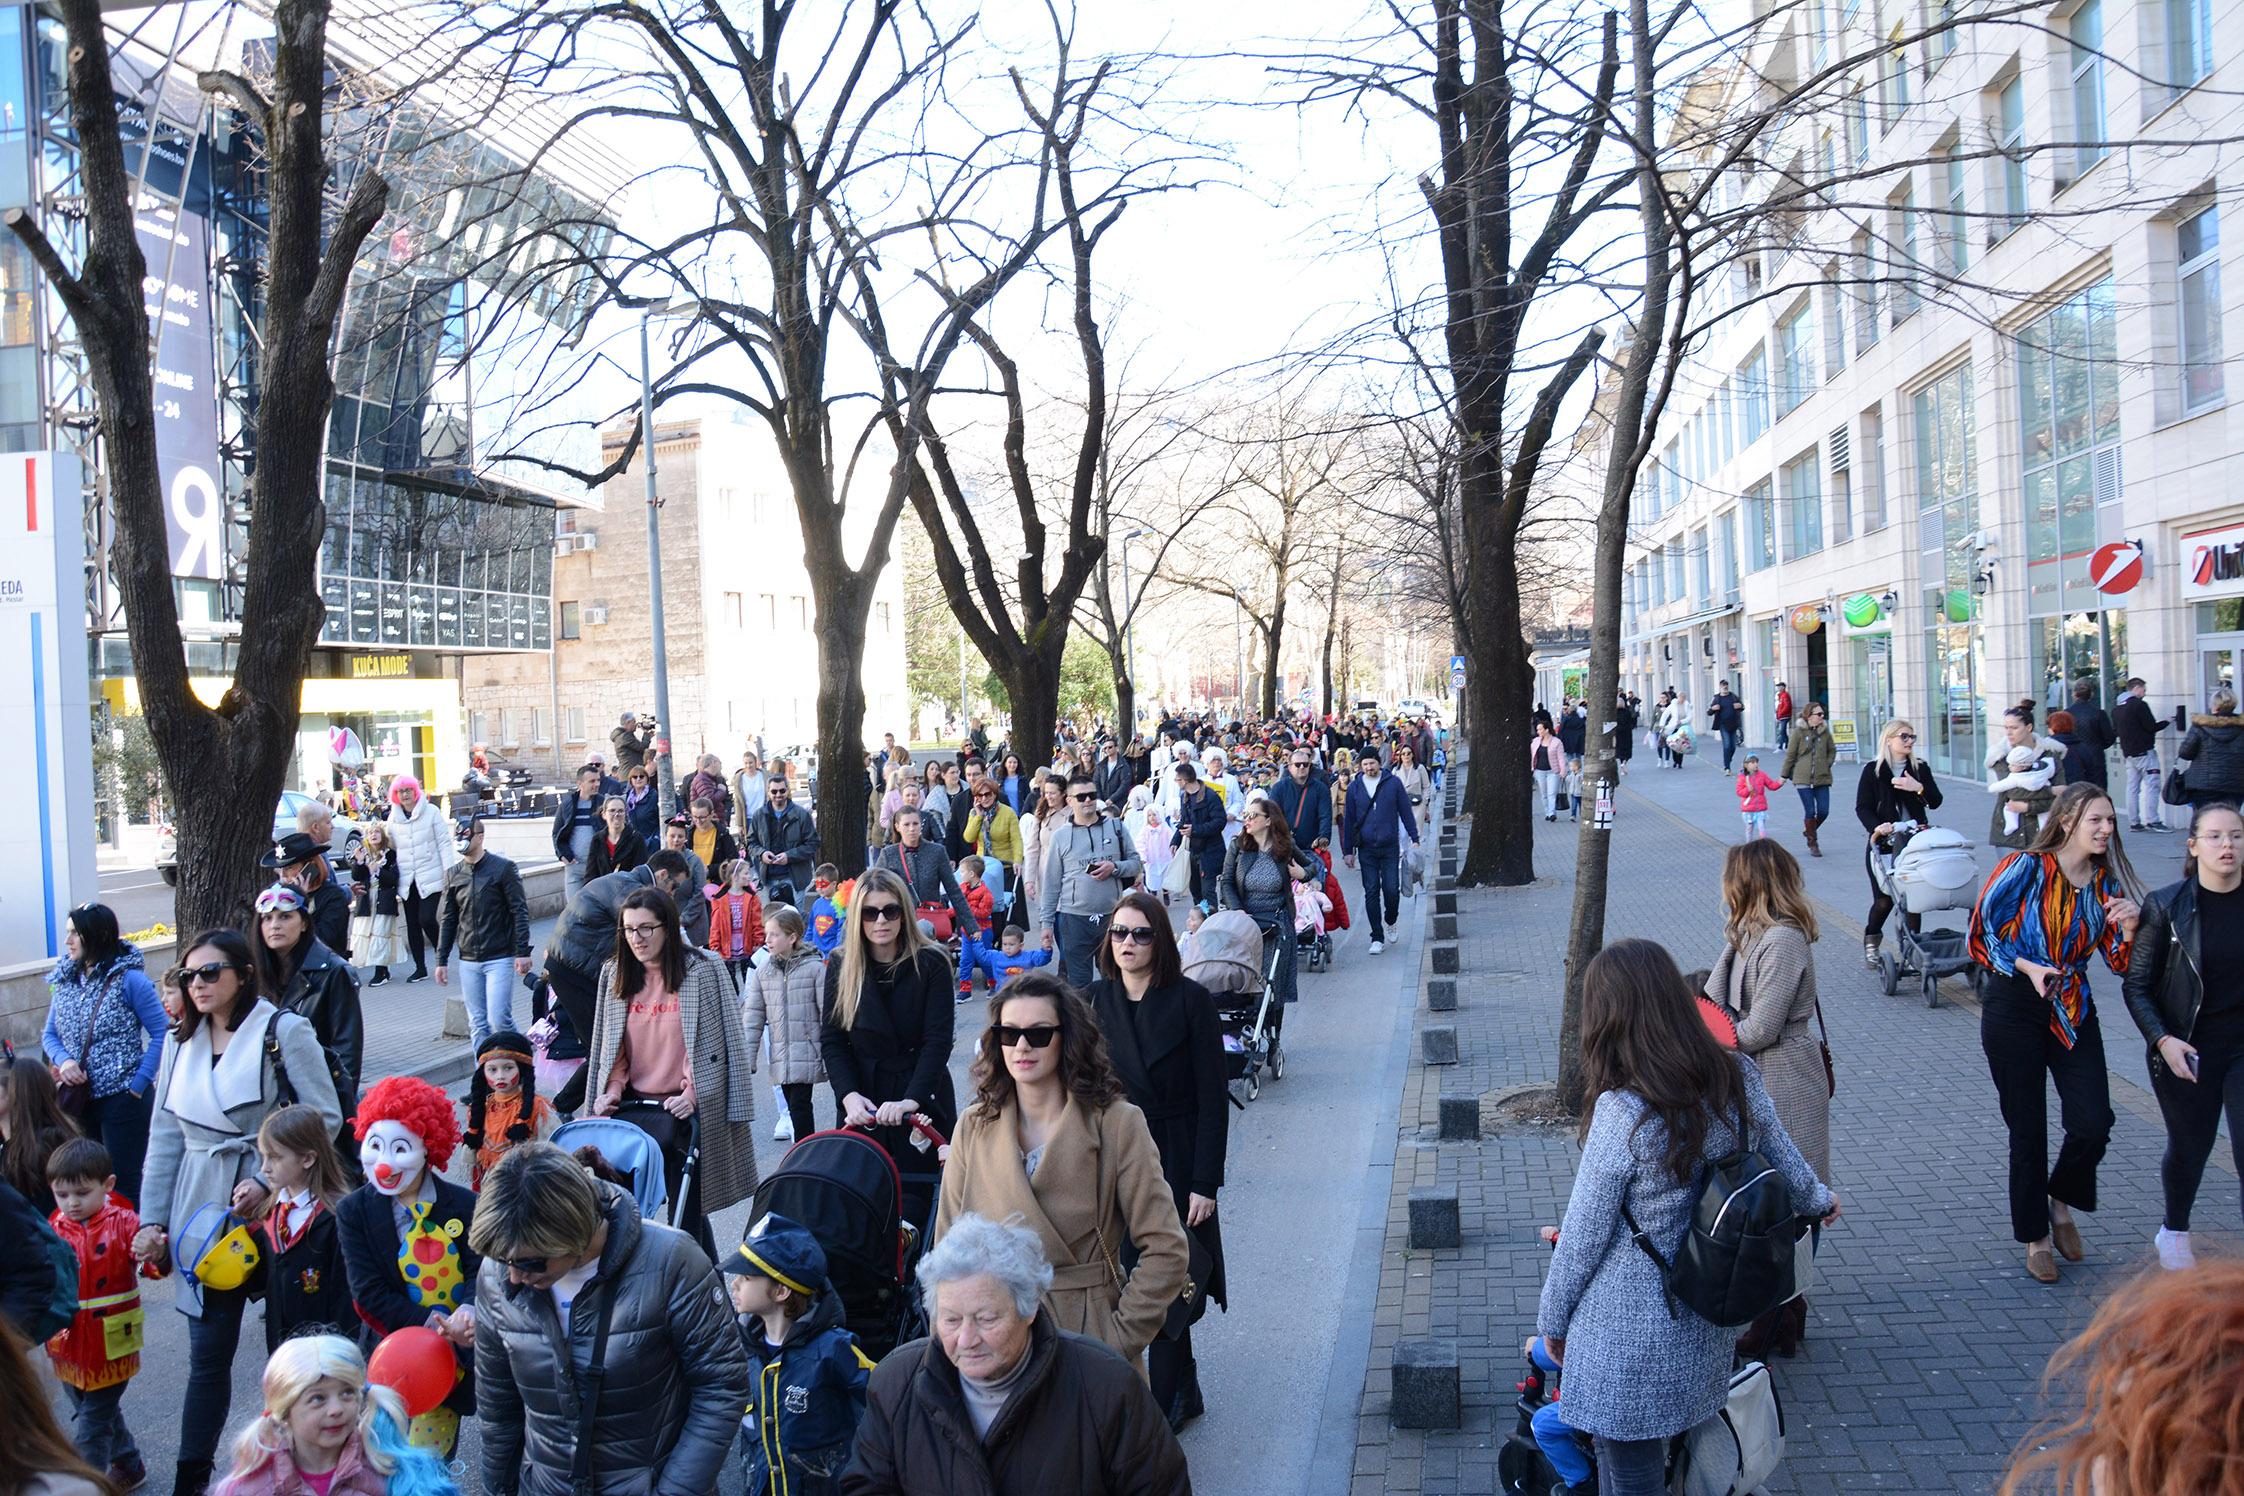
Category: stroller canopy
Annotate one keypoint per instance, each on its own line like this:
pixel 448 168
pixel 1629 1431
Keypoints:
pixel 627 1150
pixel 1225 954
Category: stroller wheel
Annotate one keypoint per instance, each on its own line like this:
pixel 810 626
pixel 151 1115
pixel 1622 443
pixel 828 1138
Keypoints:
pixel 1931 990
pixel 1254 1087
pixel 1889 973
pixel 1277 1061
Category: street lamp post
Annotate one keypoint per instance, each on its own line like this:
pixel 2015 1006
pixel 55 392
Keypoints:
pixel 666 779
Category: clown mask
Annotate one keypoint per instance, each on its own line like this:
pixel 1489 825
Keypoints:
pixel 394 1158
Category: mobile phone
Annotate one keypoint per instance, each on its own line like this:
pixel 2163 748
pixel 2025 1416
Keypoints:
pixel 2191 1061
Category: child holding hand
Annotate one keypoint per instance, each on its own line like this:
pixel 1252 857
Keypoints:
pixel 1753 797
pixel 97 1355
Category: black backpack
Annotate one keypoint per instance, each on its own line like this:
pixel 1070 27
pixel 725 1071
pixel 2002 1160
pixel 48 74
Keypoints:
pixel 1735 1262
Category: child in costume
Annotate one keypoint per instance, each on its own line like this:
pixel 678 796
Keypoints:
pixel 405 1236
pixel 829 903
pixel 1151 831
pixel 298 1447
pixel 1753 797
pixel 810 1375
pixel 300 1249
pixel 97 1355
pixel 1009 961
pixel 504 1107
pixel 982 904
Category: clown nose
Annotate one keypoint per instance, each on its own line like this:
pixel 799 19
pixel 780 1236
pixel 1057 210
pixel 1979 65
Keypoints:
pixel 383 1173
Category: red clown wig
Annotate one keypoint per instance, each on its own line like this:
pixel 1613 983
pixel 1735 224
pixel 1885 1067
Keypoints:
pixel 425 1111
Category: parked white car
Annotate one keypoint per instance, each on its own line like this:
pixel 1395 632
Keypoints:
pixel 341 847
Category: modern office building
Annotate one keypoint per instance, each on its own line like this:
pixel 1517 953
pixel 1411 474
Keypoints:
pixel 740 622
pixel 1896 475
pixel 435 552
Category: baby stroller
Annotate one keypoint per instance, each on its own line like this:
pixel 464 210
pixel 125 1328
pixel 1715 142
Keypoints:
pixel 635 1155
pixel 844 1188
pixel 1226 957
pixel 1924 869
pixel 1730 1454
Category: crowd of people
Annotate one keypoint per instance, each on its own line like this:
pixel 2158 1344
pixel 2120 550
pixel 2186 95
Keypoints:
pixel 217 1126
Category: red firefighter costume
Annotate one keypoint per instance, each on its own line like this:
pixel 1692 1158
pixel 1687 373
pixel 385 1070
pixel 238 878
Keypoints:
pixel 102 1345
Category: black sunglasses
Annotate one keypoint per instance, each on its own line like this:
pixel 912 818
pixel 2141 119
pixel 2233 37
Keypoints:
pixel 207 972
pixel 1130 934
pixel 528 1267
pixel 1039 1037
pixel 883 911
pixel 1086 795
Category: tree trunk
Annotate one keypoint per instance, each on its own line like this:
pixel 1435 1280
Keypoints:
pixel 1032 684
pixel 841 597
pixel 1125 706
pixel 1498 796
pixel 1273 640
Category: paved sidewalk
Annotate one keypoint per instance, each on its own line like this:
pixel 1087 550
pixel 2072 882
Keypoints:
pixel 1927 1340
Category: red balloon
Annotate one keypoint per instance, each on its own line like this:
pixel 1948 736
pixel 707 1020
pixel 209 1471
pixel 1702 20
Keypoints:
pixel 418 1364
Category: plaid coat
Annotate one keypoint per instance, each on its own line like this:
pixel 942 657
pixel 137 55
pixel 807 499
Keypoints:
pixel 709 1012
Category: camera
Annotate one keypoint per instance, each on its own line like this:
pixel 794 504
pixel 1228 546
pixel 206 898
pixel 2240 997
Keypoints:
pixel 646 722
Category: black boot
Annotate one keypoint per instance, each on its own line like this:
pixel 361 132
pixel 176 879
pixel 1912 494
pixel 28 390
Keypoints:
pixel 190 1477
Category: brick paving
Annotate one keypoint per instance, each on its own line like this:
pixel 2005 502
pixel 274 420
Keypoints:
pixel 1927 1340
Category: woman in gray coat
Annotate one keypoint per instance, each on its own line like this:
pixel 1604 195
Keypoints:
pixel 230 1061
pixel 1765 979
pixel 1666 1099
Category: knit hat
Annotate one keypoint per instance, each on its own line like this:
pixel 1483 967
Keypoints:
pixel 778 1249
pixel 504 1044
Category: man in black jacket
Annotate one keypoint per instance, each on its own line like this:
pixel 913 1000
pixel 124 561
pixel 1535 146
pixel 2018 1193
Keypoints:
pixel 1726 715
pixel 2136 728
pixel 1112 778
pixel 783 845
pixel 487 915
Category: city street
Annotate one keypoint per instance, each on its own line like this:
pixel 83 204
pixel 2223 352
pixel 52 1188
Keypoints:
pixel 1303 1159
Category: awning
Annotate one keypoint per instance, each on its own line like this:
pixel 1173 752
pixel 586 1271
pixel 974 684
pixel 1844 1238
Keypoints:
pixel 1688 620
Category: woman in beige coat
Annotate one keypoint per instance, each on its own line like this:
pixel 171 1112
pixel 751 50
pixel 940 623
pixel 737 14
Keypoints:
pixel 667 1050
pixel 1765 978
pixel 1050 1139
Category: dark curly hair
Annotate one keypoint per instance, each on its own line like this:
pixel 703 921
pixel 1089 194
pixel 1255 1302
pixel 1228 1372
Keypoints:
pixel 1086 1071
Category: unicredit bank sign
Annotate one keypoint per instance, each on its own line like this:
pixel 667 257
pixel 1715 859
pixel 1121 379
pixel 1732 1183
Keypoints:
pixel 2213 563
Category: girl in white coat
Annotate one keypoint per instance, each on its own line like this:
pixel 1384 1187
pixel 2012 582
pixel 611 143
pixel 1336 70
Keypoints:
pixel 423 839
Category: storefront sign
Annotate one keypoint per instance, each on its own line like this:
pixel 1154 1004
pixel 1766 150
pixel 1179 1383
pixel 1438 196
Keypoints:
pixel 1843 736
pixel 176 295
pixel 2116 568
pixel 2214 562
pixel 1860 610
pixel 1807 618
pixel 381 667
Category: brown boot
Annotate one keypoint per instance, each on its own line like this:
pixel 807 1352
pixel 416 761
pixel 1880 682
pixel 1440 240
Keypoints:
pixel 1814 850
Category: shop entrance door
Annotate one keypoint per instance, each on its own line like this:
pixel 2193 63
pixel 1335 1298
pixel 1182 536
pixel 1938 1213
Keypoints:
pixel 1819 667
pixel 1873 690
pixel 2217 658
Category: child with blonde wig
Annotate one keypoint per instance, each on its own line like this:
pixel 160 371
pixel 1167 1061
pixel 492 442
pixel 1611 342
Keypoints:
pixel 325 1431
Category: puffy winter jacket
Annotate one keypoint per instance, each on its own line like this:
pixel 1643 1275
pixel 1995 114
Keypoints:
pixel 424 847
pixel 786 995
pixel 677 1376
pixel 2214 750
pixel 1082 1421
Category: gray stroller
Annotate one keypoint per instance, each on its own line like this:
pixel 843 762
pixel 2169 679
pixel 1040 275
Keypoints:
pixel 1926 869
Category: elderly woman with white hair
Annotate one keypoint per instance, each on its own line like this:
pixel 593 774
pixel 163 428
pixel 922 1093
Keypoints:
pixel 998 1399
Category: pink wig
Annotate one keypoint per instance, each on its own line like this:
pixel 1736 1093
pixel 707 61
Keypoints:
pixel 401 782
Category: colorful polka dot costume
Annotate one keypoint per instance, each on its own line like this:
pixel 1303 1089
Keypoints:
pixel 428 1260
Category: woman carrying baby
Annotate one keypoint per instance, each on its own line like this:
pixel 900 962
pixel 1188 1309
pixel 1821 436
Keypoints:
pixel 1896 787
pixel 2028 773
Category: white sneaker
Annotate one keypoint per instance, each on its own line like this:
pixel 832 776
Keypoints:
pixel 2174 1254
pixel 784 1130
pixel 1377 946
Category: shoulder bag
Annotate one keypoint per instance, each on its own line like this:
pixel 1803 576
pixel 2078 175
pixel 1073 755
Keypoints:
pixel 75 1097
pixel 1192 1300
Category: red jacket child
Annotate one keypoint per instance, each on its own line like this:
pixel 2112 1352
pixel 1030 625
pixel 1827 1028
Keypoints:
pixel 102 1346
pixel 720 922
pixel 983 903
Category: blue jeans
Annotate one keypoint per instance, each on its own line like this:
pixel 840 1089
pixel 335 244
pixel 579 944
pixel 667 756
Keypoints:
pixel 1631 1467
pixel 1077 937
pixel 1784 731
pixel 97 1424
pixel 487 987
pixel 1730 737
pixel 1815 800
pixel 120 1121
pixel 1382 870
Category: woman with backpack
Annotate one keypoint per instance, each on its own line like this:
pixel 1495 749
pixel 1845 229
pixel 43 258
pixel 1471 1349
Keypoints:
pixel 1666 1100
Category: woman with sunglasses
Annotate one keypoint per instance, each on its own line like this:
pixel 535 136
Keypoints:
pixel 1167 1047
pixel 886 1037
pixel 1808 756
pixel 297 973
pixel 1051 1140
pixel 1896 789
pixel 230 1061
pixel 1259 872
pixel 668 1052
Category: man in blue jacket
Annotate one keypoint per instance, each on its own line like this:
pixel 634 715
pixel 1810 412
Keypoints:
pixel 1304 798
pixel 1372 827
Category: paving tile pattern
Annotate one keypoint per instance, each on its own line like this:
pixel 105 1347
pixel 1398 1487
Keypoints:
pixel 1927 1340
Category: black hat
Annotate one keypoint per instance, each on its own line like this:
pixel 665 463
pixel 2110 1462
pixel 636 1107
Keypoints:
pixel 292 849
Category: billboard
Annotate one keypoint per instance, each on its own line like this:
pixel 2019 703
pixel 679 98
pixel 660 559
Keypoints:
pixel 176 293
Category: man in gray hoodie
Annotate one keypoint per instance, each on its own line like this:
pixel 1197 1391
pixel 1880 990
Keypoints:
pixel 1088 862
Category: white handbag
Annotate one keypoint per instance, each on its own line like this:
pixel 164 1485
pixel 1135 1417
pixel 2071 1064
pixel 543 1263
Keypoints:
pixel 1177 876
pixel 1736 1450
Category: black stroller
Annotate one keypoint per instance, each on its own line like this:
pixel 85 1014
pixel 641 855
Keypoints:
pixel 869 1216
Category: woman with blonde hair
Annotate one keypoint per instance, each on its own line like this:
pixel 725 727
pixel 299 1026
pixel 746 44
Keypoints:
pixel 1896 789
pixel 1765 979
pixel 886 1031
pixel 2161 1396
pixel 325 1428
pixel 377 939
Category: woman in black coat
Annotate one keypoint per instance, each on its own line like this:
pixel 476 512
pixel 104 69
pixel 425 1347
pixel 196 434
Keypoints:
pixel 1896 786
pixel 617 846
pixel 1162 1033
pixel 1624 731
pixel 886 1035
pixel 298 974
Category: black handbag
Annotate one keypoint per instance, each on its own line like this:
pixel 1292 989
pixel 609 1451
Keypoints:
pixel 1192 1302
pixel 2171 789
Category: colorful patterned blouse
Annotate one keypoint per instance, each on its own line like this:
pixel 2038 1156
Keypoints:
pixel 2029 910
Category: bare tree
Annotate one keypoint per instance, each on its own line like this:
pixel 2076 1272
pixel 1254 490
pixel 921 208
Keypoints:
pixel 224 764
pixel 1146 471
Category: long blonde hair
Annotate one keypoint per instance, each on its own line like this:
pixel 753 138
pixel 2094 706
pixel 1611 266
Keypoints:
pixel 293 1370
pixel 856 959
pixel 1761 888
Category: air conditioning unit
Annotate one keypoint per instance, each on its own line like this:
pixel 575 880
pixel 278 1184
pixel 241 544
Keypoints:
pixel 595 614
pixel 588 540
pixel 574 541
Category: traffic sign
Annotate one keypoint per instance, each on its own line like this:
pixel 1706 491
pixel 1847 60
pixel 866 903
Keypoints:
pixel 1456 672
pixel 2117 567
